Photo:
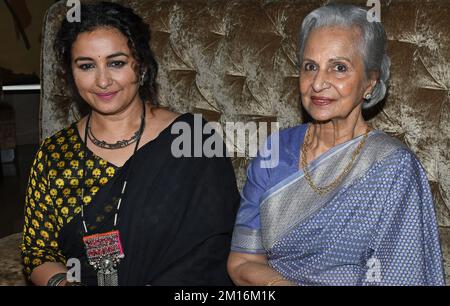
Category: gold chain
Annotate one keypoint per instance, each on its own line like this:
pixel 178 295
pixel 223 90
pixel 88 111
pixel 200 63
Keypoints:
pixel 325 189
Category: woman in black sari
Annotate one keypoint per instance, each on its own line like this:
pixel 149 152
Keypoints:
pixel 109 190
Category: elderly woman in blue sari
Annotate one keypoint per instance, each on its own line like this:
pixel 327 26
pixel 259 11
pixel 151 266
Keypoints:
pixel 346 204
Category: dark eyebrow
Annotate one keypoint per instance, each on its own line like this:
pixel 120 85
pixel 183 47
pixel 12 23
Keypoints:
pixel 117 54
pixel 82 58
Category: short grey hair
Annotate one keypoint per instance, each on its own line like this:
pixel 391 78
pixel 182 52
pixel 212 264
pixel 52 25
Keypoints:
pixel 373 40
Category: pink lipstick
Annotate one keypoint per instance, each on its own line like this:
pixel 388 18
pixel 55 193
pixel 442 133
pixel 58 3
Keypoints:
pixel 107 95
pixel 321 101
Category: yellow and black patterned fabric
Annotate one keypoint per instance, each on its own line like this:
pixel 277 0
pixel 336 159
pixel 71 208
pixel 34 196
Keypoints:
pixel 54 193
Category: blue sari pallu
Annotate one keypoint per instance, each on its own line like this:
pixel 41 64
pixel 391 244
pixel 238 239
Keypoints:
pixel 377 227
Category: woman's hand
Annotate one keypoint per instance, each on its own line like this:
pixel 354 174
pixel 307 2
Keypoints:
pixel 42 274
pixel 254 270
pixel 281 282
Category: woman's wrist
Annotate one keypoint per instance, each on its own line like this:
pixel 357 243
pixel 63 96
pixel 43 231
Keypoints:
pixel 280 281
pixel 73 284
pixel 57 280
pixel 60 280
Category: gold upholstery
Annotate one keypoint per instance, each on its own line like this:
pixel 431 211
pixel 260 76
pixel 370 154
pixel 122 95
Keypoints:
pixel 235 60
pixel 11 273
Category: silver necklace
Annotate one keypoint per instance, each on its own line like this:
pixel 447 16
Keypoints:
pixel 118 144
pixel 104 250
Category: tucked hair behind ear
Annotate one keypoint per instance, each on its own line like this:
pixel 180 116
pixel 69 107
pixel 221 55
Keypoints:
pixel 372 44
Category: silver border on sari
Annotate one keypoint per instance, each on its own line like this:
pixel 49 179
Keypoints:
pixel 247 240
pixel 285 208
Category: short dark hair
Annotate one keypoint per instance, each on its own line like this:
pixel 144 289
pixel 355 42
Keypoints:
pixel 110 15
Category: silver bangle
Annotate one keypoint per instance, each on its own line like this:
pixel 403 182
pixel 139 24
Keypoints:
pixel 56 279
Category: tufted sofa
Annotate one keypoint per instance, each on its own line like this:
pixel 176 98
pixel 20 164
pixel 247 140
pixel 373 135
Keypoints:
pixel 235 60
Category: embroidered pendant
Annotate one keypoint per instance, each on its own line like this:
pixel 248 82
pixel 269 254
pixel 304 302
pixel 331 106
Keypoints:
pixel 104 252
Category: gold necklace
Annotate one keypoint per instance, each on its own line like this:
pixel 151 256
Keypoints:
pixel 325 189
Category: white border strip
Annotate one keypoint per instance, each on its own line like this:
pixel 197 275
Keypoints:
pixel 21 87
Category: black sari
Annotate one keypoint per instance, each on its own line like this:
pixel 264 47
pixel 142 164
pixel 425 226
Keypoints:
pixel 175 221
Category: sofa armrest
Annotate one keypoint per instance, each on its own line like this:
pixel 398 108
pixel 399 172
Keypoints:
pixel 11 269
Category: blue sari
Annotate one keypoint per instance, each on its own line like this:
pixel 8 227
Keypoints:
pixel 378 227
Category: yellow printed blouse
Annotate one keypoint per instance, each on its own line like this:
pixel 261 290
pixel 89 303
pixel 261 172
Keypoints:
pixel 53 196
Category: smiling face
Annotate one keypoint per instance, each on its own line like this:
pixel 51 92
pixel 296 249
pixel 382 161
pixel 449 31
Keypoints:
pixel 333 80
pixel 104 70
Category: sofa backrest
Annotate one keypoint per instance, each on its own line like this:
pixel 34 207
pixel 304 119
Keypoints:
pixel 234 60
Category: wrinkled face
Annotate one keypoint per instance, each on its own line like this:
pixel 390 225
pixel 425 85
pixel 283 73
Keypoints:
pixel 333 80
pixel 104 70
